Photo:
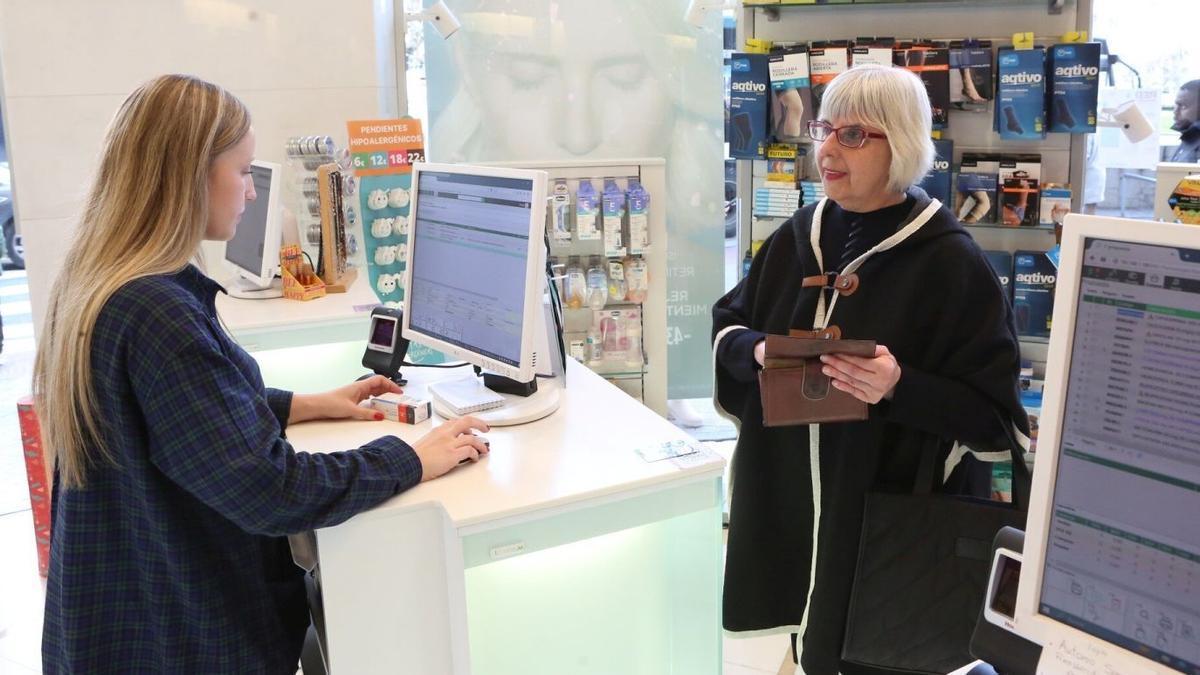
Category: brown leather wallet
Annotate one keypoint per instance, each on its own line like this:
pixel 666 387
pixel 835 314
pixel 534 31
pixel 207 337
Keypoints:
pixel 795 391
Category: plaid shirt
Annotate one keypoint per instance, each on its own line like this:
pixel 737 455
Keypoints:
pixel 175 560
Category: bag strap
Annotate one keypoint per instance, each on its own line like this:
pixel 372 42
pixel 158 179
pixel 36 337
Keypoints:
pixel 1021 480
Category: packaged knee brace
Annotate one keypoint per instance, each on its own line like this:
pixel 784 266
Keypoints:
pixel 971 74
pixel 931 62
pixel 872 50
pixel 937 182
pixel 827 60
pixel 1021 93
pixel 1074 87
pixel 749 101
pixel 976 203
pixel 791 93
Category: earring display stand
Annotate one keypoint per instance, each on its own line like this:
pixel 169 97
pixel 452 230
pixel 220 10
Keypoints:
pixel 333 267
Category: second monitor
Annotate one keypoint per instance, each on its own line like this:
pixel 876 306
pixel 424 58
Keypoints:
pixel 474 282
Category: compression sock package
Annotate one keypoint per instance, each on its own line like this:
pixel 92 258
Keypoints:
pixel 1021 93
pixel 749 102
pixel 971 74
pixel 931 62
pixel 1074 87
pixel 791 93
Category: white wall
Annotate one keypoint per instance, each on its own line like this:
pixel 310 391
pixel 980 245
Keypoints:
pixel 302 66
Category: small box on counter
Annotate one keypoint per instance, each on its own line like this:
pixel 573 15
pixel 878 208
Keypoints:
pixel 404 409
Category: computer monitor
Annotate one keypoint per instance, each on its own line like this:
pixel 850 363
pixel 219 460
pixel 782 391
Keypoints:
pixel 1111 569
pixel 253 251
pixel 475 278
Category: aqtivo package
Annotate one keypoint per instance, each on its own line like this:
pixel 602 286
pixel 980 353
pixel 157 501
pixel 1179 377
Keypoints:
pixel 971 74
pixel 749 100
pixel 937 182
pixel 1056 203
pixel 1021 93
pixel 791 93
pixel 1002 265
pixel 1074 87
pixel 931 62
pixel 1034 278
pixel 826 61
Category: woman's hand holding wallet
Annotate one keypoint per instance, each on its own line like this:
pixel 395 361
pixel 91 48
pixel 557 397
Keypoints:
pixel 796 389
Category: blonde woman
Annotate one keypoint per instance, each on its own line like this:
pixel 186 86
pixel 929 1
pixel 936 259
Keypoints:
pixel 174 486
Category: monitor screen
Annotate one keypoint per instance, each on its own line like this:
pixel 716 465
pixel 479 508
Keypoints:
pixel 1122 553
pixel 469 262
pixel 245 250
pixel 383 333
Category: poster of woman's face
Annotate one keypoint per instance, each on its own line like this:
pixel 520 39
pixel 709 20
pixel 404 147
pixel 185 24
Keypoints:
pixel 547 80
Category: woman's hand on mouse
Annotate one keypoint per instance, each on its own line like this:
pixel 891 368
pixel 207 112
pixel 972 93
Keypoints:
pixel 451 443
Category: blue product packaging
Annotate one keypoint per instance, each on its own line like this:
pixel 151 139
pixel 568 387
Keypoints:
pixel 1074 87
pixel 1021 93
pixel 749 101
pixel 1002 265
pixel 937 182
pixel 791 94
pixel 1034 277
pixel 977 199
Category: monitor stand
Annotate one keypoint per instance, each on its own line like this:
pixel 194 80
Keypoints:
pixel 246 290
pixel 516 409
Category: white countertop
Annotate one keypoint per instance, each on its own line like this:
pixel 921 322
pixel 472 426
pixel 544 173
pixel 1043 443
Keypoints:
pixel 584 451
pixel 243 316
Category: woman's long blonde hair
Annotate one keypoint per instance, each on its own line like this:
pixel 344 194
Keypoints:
pixel 146 213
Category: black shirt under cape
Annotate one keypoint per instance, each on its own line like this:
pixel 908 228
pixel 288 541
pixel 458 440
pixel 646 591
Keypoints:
pixel 934 301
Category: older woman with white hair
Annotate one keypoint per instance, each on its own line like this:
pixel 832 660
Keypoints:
pixel 945 370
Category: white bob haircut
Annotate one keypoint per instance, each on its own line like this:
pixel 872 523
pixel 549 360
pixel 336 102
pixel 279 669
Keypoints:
pixel 892 100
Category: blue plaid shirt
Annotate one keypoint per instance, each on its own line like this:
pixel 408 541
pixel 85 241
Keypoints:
pixel 175 559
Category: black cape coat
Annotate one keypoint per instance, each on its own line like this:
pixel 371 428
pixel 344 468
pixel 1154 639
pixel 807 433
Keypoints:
pixel 935 302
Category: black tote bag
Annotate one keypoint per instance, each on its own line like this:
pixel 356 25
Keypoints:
pixel 922 572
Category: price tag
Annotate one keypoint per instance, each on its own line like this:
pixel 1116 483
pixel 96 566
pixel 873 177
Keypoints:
pixel 381 147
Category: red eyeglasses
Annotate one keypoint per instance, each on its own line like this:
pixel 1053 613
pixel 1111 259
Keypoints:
pixel 851 136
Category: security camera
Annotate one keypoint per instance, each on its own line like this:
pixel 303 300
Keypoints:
pixel 440 16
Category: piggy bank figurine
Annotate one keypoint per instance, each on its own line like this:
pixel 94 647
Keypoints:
pixel 386 284
pixel 385 255
pixel 397 198
pixel 381 227
pixel 378 199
